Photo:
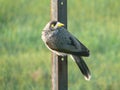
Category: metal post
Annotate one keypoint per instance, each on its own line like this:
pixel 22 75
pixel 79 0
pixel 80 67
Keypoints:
pixel 59 64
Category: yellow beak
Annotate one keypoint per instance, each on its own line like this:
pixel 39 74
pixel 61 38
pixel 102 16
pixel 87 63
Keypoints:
pixel 60 24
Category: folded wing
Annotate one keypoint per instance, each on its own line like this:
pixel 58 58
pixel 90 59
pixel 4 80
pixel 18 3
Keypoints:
pixel 68 44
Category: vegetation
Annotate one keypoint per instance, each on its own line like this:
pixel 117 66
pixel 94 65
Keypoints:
pixel 25 61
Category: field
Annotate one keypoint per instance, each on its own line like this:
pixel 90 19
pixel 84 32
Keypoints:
pixel 25 62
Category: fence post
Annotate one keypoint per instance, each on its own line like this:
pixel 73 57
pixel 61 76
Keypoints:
pixel 59 64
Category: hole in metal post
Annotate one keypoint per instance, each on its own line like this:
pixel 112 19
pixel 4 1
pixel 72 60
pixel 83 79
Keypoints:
pixel 61 3
pixel 62 58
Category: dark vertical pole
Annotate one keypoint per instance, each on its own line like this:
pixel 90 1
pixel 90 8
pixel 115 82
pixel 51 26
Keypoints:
pixel 59 64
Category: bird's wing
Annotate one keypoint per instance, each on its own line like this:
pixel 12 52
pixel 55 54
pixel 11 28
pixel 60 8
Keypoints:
pixel 70 45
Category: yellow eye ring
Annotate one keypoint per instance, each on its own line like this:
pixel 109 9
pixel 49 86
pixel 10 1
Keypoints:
pixel 52 25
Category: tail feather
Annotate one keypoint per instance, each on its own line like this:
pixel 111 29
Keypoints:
pixel 83 66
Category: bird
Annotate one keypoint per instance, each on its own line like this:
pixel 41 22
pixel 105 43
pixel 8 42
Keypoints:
pixel 61 42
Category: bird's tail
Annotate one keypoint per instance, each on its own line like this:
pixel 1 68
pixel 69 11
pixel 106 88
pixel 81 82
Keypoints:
pixel 82 66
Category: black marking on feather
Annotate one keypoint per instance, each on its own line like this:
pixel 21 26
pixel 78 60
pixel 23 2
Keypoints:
pixel 72 42
pixel 83 46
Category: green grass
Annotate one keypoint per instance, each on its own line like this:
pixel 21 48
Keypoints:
pixel 25 61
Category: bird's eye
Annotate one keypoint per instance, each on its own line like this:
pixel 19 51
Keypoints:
pixel 52 25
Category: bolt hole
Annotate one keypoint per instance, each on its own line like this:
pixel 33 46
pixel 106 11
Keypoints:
pixel 62 59
pixel 62 3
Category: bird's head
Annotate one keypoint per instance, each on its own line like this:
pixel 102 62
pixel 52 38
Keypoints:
pixel 53 25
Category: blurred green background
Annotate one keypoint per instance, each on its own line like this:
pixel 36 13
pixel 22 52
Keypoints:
pixel 25 62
